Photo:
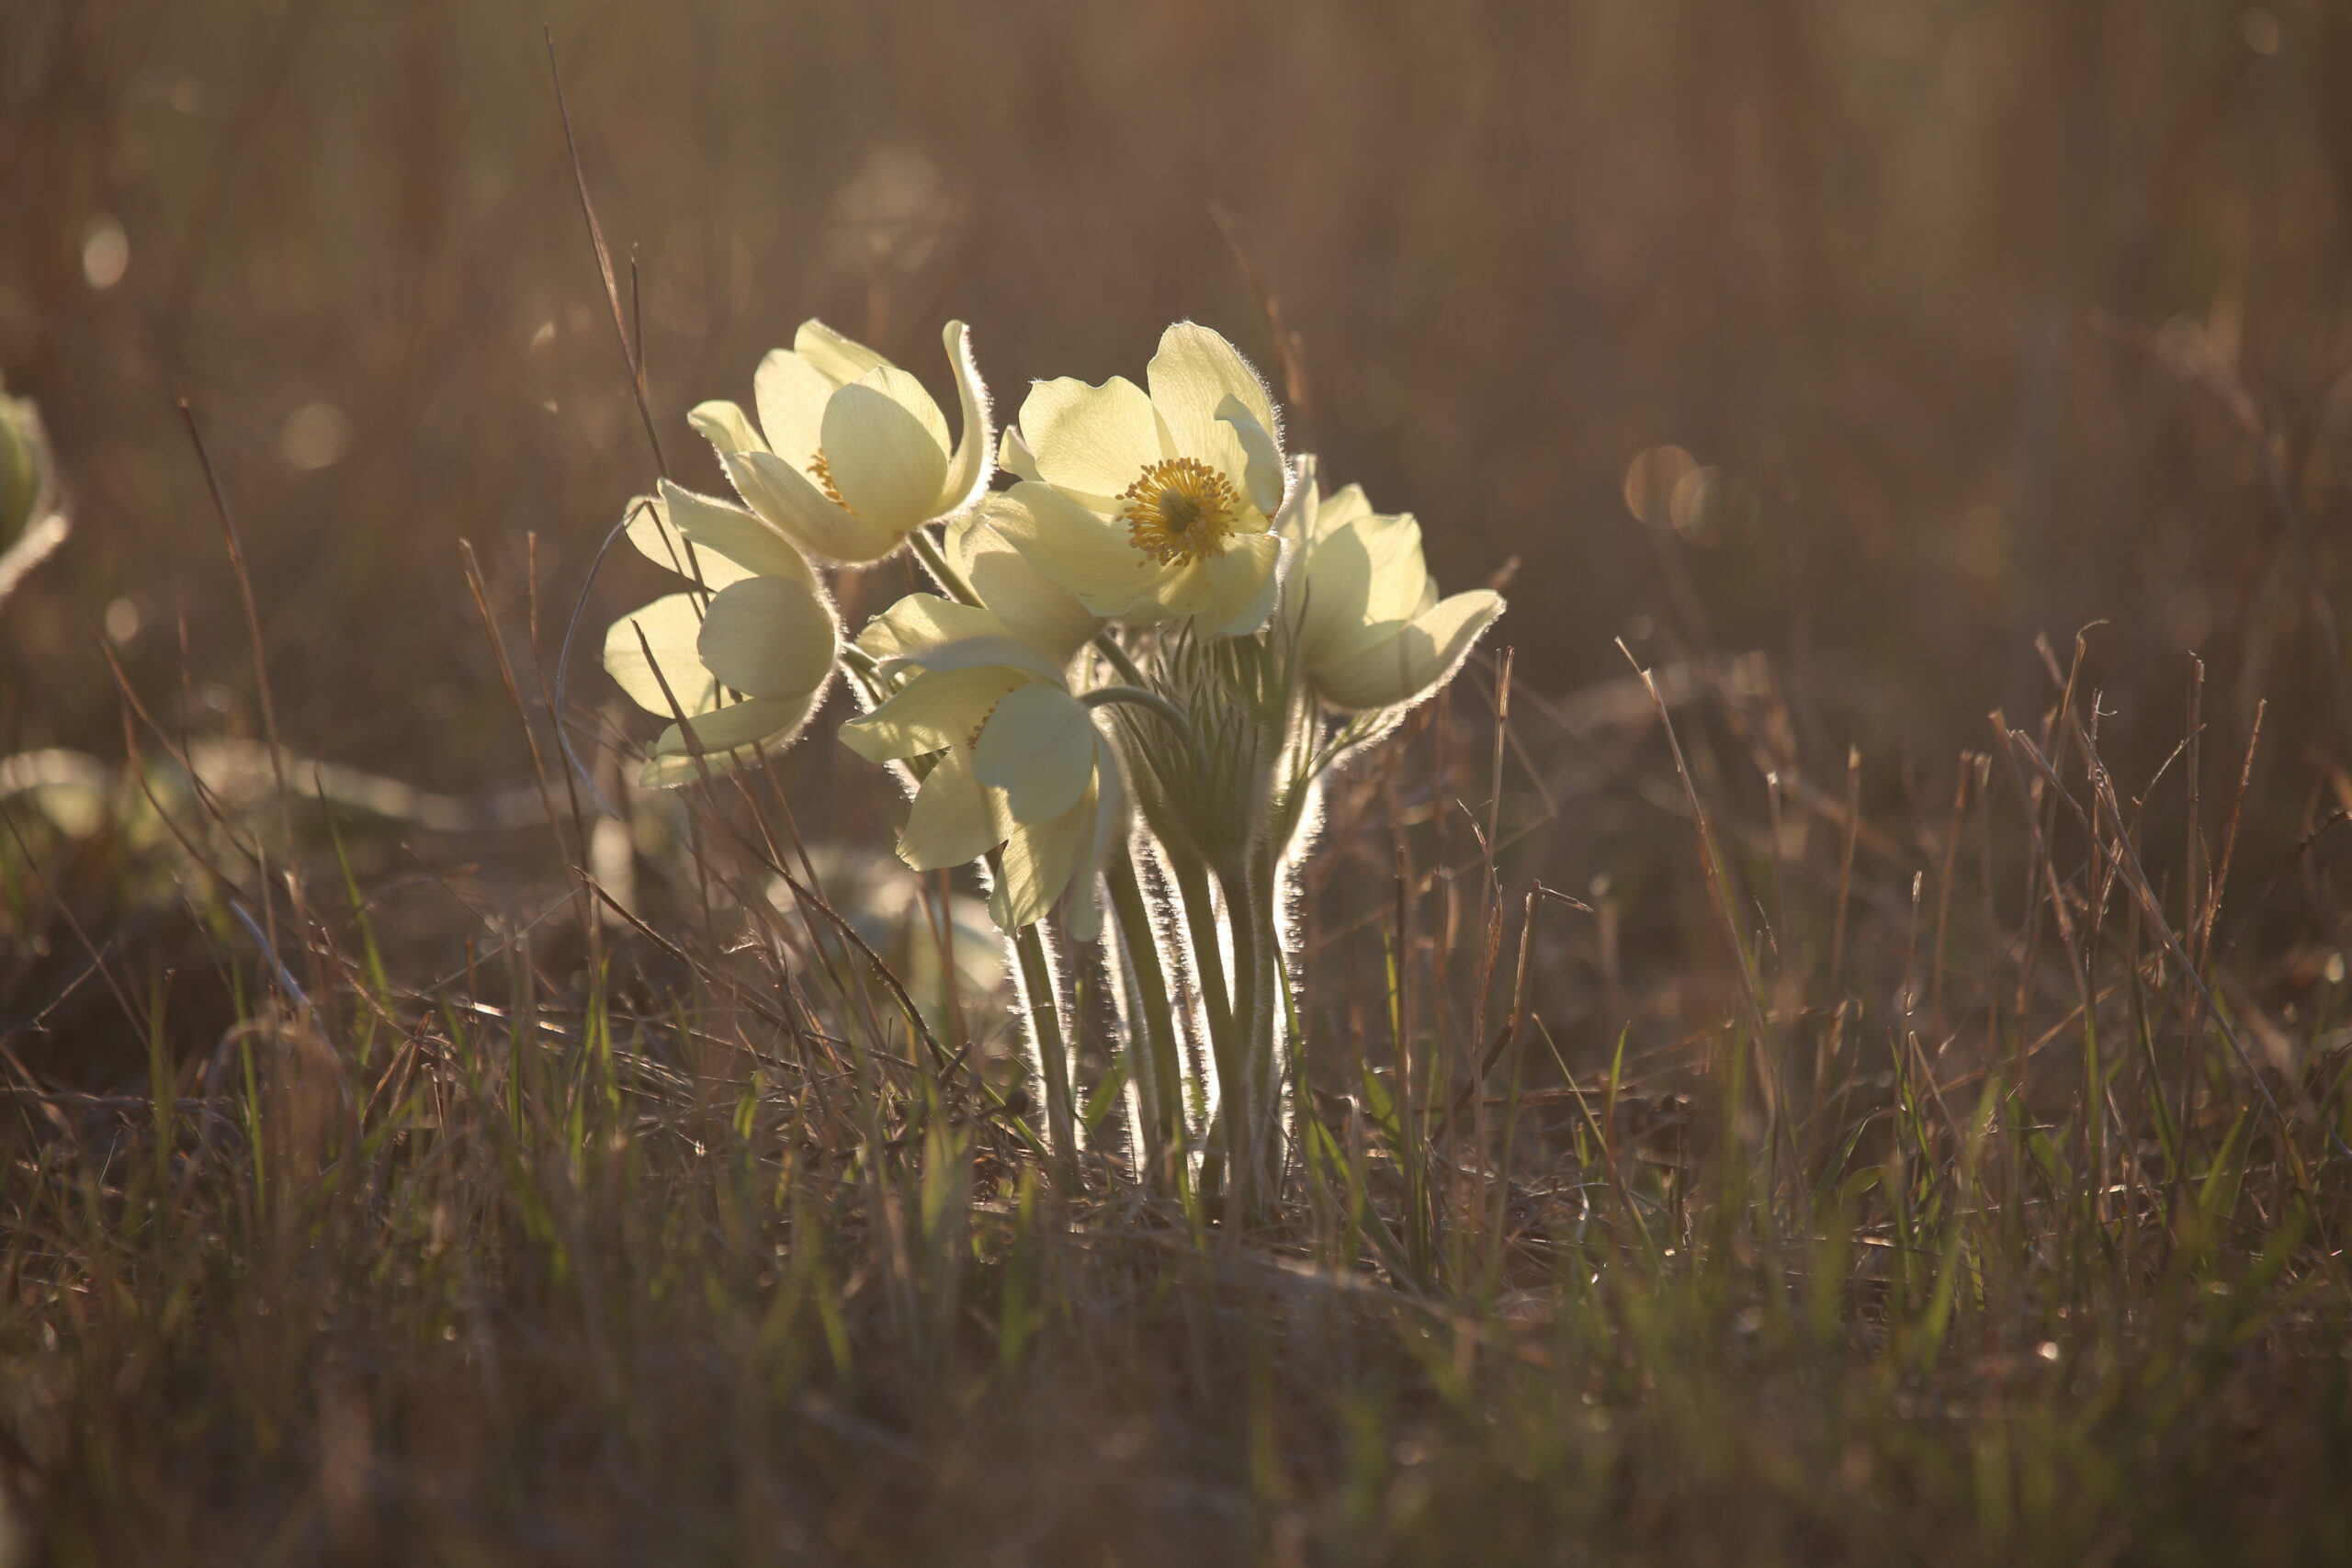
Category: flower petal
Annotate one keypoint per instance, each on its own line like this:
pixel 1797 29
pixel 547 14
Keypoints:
pixel 1342 508
pixel 841 359
pixel 769 637
pixel 924 620
pixel 1392 667
pixel 1035 867
pixel 1400 586
pixel 659 539
pixel 1045 615
pixel 726 426
pixel 1037 747
pixel 1072 547
pixel 1229 595
pixel 1013 455
pixel 1330 590
pixel 973 653
pixel 1262 472
pixel 1092 440
pixel 760 723
pixel 967 470
pixel 791 394
pixel 953 818
pixel 672 625
pixel 1190 377
pixel 889 463
pixel 785 497
pixel 731 543
pixel 929 713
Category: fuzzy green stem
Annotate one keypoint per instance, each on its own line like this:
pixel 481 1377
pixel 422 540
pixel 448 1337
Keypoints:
pixel 1245 1122
pixel 1053 1057
pixel 942 571
pixel 1108 647
pixel 1144 697
pixel 1254 1129
pixel 1208 969
pixel 1158 1072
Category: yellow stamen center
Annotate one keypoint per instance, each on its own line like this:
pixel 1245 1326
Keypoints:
pixel 1181 509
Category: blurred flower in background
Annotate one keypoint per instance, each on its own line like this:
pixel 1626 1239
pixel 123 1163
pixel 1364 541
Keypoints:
pixel 30 525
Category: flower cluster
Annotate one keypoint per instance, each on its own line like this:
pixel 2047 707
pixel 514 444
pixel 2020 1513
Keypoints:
pixel 1143 654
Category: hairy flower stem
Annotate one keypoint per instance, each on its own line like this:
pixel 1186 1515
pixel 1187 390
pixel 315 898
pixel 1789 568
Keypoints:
pixel 1037 989
pixel 942 571
pixel 1158 1072
pixel 1254 1119
pixel 1208 969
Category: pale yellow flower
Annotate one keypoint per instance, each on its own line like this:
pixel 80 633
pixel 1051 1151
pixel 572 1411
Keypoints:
pixel 746 657
pixel 1372 632
pixel 1153 506
pixel 850 454
pixel 1014 760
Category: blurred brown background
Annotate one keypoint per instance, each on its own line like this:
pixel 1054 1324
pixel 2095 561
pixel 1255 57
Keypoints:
pixel 1916 284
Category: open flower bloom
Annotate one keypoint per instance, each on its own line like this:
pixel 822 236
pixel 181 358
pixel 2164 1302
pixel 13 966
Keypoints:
pixel 745 657
pixel 1014 759
pixel 1153 506
pixel 850 455
pixel 1372 631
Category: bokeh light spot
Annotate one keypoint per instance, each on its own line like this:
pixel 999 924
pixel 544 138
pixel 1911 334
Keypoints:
pixel 106 252
pixel 315 437
pixel 1650 482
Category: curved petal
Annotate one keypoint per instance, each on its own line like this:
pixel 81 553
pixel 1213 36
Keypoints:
pixel 1301 507
pixel 1402 663
pixel 726 426
pixel 1037 747
pixel 1035 867
pixel 728 536
pixel 1072 547
pixel 760 723
pixel 924 620
pixel 1094 440
pixel 888 462
pixel 1193 373
pixel 658 538
pixel 1401 579
pixel 842 360
pixel 672 625
pixel 791 394
pixel 968 470
pixel 1013 455
pixel 1229 595
pixel 1045 615
pixel 1262 473
pixel 1341 508
pixel 769 637
pixel 1003 651
pixel 785 497
pixel 1334 585
pixel 953 820
pixel 929 713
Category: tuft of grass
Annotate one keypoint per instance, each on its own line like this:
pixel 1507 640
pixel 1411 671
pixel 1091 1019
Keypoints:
pixel 1958 1190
